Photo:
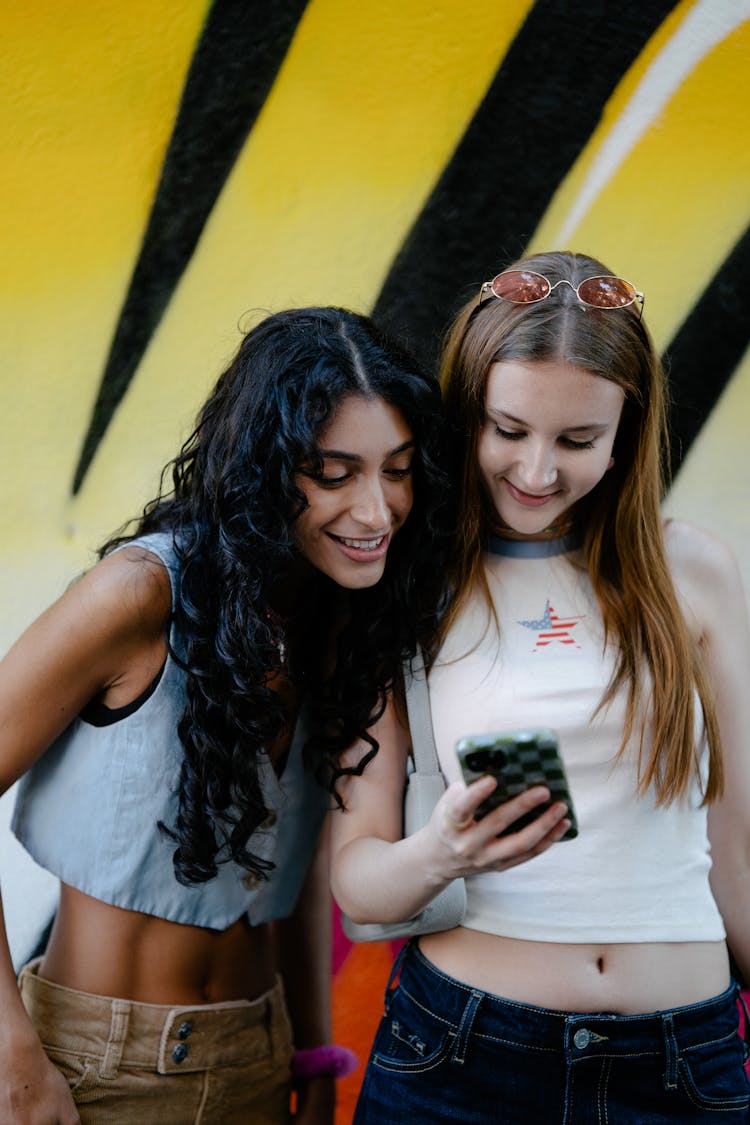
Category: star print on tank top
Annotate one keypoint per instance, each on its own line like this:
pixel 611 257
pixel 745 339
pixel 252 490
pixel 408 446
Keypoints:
pixel 553 628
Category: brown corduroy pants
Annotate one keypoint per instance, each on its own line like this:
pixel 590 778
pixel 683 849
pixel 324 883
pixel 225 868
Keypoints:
pixel 150 1063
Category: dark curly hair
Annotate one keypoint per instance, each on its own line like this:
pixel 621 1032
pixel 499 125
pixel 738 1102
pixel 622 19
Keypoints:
pixel 230 499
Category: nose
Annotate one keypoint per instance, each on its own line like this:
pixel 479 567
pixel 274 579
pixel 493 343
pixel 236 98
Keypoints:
pixel 537 468
pixel 370 507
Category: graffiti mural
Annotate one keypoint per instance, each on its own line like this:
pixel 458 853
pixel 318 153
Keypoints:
pixel 173 172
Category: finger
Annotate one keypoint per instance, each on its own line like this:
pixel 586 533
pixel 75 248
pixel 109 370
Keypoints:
pixel 505 815
pixel 547 833
pixel 546 842
pixel 536 837
pixel 462 801
pixel 457 825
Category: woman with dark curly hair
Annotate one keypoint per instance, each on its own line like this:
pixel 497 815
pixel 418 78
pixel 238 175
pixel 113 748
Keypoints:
pixel 173 716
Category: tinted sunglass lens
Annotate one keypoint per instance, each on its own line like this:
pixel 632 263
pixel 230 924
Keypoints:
pixel 606 292
pixel 521 287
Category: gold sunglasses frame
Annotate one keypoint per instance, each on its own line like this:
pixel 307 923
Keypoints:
pixel 637 295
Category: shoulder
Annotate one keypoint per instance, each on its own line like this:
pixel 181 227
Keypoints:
pixel 131 586
pixel 704 570
pixel 695 554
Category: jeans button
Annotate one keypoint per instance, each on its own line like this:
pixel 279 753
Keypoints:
pixel 180 1052
pixel 582 1038
pixel 184 1029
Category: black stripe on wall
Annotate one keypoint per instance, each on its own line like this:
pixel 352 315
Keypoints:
pixel 707 349
pixel 545 101
pixel 242 46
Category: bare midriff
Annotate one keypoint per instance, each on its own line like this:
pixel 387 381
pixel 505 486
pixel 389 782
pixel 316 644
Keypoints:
pixel 108 951
pixel 625 979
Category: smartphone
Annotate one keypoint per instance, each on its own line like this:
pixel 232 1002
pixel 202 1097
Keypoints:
pixel 519 759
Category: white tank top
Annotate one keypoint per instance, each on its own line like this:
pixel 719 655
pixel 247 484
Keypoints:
pixel 636 872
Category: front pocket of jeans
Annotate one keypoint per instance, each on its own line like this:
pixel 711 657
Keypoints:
pixel 713 1076
pixel 411 1039
pixel 414 1065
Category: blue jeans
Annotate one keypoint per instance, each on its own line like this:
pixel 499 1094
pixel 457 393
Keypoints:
pixel 447 1052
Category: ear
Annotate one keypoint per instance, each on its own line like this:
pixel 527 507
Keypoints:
pixel 610 463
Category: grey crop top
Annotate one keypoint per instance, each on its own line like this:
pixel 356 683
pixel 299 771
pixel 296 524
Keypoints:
pixel 87 811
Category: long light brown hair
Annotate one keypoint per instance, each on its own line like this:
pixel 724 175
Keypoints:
pixel 620 519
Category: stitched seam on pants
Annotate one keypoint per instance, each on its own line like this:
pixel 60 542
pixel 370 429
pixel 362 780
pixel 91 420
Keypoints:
pixel 610 1054
pixel 709 1043
pixel 422 1008
pixel 204 1098
pixel 706 1101
pixel 514 1043
pixel 395 1066
pixel 602 1091
pixel 569 1094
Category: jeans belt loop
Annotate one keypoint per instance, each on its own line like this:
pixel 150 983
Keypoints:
pixel 118 1030
pixel 458 1054
pixel 390 987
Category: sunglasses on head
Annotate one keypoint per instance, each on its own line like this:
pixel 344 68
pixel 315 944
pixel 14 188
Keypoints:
pixel 526 287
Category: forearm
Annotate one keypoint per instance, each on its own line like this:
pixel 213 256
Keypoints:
pixel 377 881
pixel 29 1083
pixel 381 880
pixel 303 949
pixel 11 1005
pixel 733 900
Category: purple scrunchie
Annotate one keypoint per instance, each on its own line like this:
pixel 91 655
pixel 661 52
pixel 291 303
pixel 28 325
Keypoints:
pixel 327 1061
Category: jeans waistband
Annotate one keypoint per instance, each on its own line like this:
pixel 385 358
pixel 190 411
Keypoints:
pixel 579 1034
pixel 168 1038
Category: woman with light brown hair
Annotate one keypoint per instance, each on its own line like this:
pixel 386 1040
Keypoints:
pixel 589 980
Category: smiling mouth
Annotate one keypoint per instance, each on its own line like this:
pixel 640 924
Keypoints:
pixel 360 544
pixel 530 498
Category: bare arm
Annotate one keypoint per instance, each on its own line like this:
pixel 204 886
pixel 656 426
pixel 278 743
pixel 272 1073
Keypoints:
pixel 303 946
pixel 711 586
pixel 103 637
pixel 379 877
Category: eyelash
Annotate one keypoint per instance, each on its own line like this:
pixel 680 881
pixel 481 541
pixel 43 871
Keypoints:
pixel 334 482
pixel 515 435
pixel 331 482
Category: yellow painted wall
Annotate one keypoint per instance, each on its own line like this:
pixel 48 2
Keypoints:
pixel 369 105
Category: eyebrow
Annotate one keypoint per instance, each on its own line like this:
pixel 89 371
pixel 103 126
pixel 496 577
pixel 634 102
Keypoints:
pixel 587 428
pixel 340 455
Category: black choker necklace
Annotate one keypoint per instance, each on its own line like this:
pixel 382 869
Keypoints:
pixel 525 548
pixel 554 531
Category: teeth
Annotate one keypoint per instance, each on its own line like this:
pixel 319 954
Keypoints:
pixel 362 544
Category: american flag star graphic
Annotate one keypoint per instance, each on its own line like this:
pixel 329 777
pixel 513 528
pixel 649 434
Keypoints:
pixel 551 628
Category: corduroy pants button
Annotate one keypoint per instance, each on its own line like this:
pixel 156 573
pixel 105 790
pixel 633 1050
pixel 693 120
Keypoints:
pixel 180 1052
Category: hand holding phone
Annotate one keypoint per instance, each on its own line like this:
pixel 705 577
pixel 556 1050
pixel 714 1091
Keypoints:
pixel 518 760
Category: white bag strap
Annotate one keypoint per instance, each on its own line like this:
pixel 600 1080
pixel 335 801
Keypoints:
pixel 420 717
